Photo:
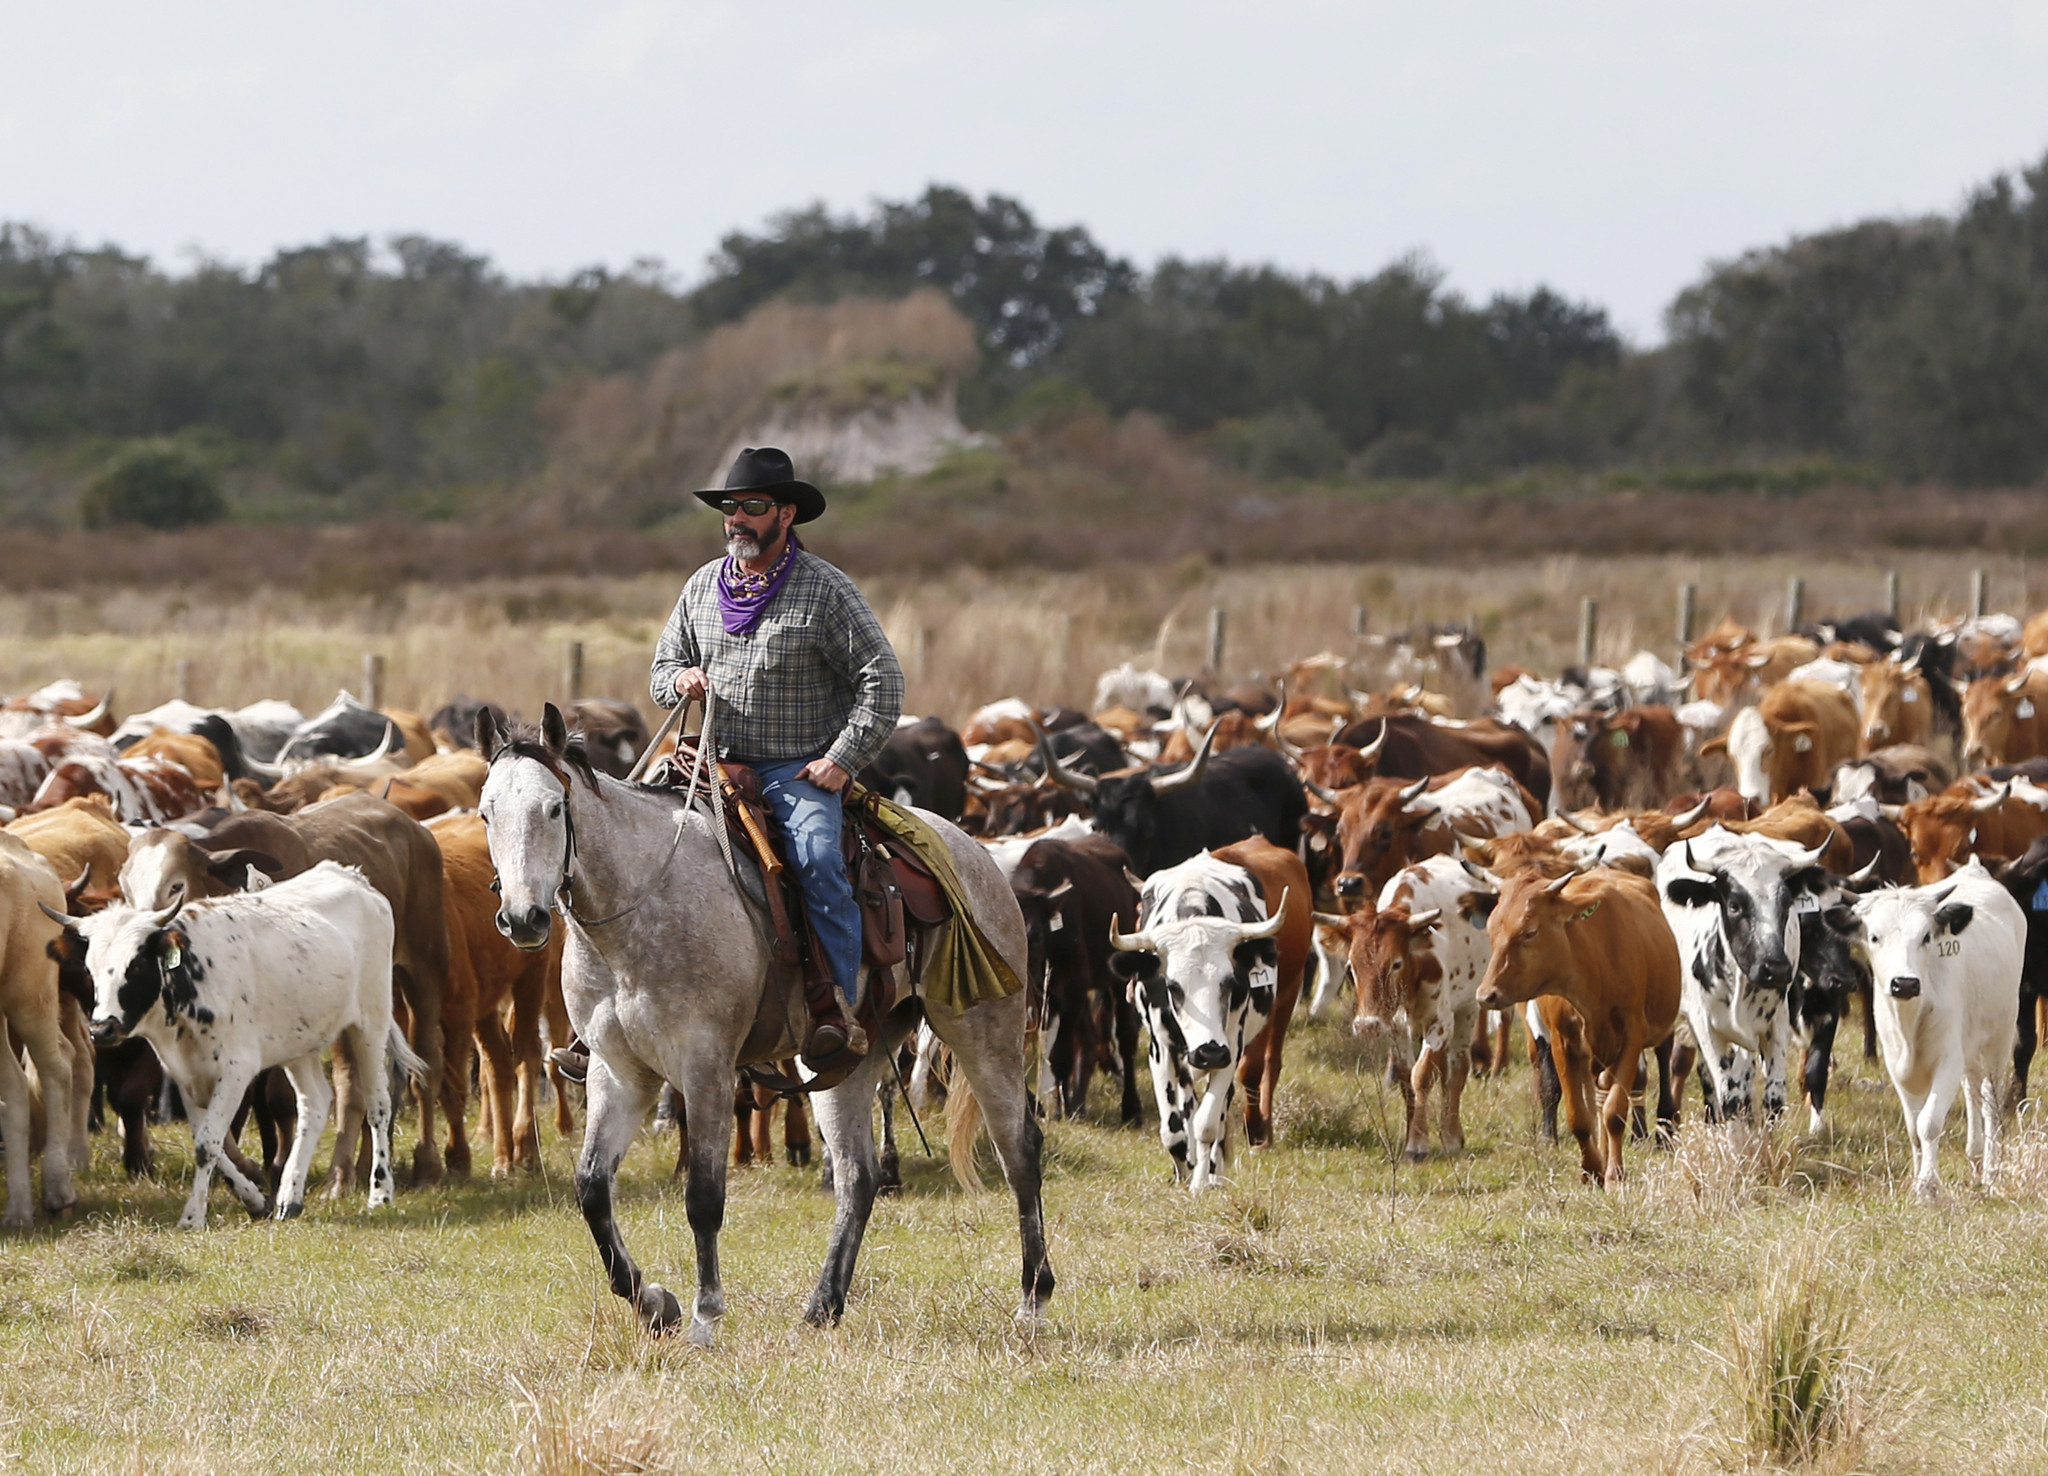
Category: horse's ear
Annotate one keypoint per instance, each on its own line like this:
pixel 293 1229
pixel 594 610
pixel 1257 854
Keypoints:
pixel 486 732
pixel 554 729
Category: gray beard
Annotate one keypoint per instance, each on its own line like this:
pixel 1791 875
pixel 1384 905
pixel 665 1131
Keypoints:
pixel 741 547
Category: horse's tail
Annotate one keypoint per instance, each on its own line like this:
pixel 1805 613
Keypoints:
pixel 963 1131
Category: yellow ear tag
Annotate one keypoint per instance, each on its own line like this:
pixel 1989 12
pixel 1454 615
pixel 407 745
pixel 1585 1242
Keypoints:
pixel 1581 917
pixel 1620 738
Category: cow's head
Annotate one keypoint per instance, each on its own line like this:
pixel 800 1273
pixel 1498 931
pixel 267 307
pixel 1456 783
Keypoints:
pixel 1202 980
pixel 1392 957
pixel 1051 930
pixel 1992 707
pixel 1912 938
pixel 1376 826
pixel 1126 806
pixel 1756 886
pixel 1896 706
pixel 1942 829
pixel 1527 936
pixel 166 866
pixel 1771 755
pixel 1591 748
pixel 135 959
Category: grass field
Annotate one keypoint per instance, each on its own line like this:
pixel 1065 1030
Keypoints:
pixel 1329 1310
pixel 965 638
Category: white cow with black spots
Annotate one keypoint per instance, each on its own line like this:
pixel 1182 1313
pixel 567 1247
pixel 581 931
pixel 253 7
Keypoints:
pixel 1732 904
pixel 225 988
pixel 1205 970
pixel 1945 965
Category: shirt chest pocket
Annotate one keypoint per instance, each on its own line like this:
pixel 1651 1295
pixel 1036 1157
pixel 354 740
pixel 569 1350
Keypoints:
pixel 782 645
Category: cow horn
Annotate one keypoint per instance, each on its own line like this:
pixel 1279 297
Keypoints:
pixel 163 919
pixel 2018 681
pixel 1414 791
pixel 1327 796
pixel 1467 838
pixel 1251 932
pixel 1270 724
pixel 62 919
pixel 1805 859
pixel 1065 778
pixel 1553 888
pixel 1994 799
pixel 1331 919
pixel 1679 822
pixel 1167 784
pixel 265 774
pixel 76 889
pixel 1138 942
pixel 1865 872
pixel 1371 751
pixel 1061 890
pixel 1478 874
pixel 1426 918
pixel 87 719
pixel 1692 865
pixel 1137 882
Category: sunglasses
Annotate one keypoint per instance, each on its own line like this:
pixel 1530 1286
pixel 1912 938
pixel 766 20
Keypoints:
pixel 753 507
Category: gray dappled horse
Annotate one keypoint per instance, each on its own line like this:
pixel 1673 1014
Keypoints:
pixel 669 976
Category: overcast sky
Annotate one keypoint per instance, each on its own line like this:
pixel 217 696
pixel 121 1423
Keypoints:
pixel 1610 150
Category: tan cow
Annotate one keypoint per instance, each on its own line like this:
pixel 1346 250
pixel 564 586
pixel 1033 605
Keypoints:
pixel 1962 821
pixel 1791 740
pixel 77 835
pixel 1897 706
pixel 189 751
pixel 1597 942
pixel 2003 719
pixel 419 738
pixel 34 1017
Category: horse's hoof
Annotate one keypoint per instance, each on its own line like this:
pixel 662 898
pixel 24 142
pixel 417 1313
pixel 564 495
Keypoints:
pixel 818 1314
pixel 1030 1315
pixel 703 1334
pixel 658 1309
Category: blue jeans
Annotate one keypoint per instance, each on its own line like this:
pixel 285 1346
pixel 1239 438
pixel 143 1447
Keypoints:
pixel 810 819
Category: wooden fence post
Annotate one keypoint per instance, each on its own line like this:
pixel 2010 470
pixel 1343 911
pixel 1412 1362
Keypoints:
pixel 1980 592
pixel 185 679
pixel 1688 611
pixel 572 671
pixel 1891 593
pixel 1589 629
pixel 373 680
pixel 1216 628
pixel 1795 603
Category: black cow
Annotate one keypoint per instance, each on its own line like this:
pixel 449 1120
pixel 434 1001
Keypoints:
pixel 1071 893
pixel 1406 746
pixel 1161 817
pixel 1876 629
pixel 454 725
pixel 2027 880
pixel 215 728
pixel 614 733
pixel 1830 970
pixel 347 729
pixel 922 764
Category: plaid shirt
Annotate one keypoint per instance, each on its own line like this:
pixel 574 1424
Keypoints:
pixel 815 678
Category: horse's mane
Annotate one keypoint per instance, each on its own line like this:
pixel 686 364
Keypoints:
pixel 523 740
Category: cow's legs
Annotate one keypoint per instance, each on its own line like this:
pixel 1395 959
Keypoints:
pixel 1820 1055
pixel 1130 1111
pixel 1869 993
pixel 2023 1044
pixel 43 1034
pixel 615 1109
pixel 14 1126
pixel 1777 1045
pixel 1457 1071
pixel 509 1144
pixel 846 1120
pixel 366 1045
pixel 1983 1093
pixel 889 1161
pixel 1614 1117
pixel 315 1100
pixel 348 1122
pixel 1575 1077
pixel 209 1130
pixel 1210 1130
pixel 1415 1078
pixel 986 1043
pixel 796 1133
pixel 423 1003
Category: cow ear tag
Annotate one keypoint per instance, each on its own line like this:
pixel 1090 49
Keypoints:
pixel 1802 744
pixel 2025 709
pixel 1911 694
pixel 2040 902
pixel 1057 922
pixel 1620 738
pixel 173 955
pixel 1581 917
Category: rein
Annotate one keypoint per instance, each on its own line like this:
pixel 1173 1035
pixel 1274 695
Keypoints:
pixel 701 769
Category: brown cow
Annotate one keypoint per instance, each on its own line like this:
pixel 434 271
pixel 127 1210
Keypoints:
pixel 1731 665
pixel 1283 879
pixel 34 1015
pixel 1232 729
pixel 1406 746
pixel 487 976
pixel 1799 820
pixel 1791 740
pixel 1386 824
pixel 1897 706
pixel 2003 721
pixel 1634 759
pixel 78 835
pixel 419 738
pixel 191 752
pixel 147 789
pixel 1599 943
pixel 1962 821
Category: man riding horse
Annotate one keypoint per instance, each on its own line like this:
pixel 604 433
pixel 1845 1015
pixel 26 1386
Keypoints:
pixel 808 690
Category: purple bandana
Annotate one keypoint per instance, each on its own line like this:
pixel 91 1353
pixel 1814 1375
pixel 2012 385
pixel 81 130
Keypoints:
pixel 743 598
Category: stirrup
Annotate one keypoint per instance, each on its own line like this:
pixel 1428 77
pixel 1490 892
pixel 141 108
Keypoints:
pixel 834 1045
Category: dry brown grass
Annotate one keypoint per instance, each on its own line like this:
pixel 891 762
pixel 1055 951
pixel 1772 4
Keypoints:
pixel 965 637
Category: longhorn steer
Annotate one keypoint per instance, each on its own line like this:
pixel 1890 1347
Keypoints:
pixel 1160 819
pixel 1385 824
pixel 1946 961
pixel 1634 759
pixel 222 989
pixel 1599 943
pixel 1418 956
pixel 1073 894
pixel 1948 828
pixel 2003 721
pixel 923 764
pixel 143 789
pixel 33 1012
pixel 1790 741
pixel 1217 991
pixel 1730 900
pixel 1405 746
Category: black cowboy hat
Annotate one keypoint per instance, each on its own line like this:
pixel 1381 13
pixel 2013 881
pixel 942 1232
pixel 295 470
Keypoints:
pixel 766 471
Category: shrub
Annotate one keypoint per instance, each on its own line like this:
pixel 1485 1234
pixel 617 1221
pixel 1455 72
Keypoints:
pixel 155 483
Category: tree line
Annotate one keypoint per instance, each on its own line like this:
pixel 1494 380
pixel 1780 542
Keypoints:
pixel 351 377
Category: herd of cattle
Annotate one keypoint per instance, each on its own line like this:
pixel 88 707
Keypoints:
pixel 1697 871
